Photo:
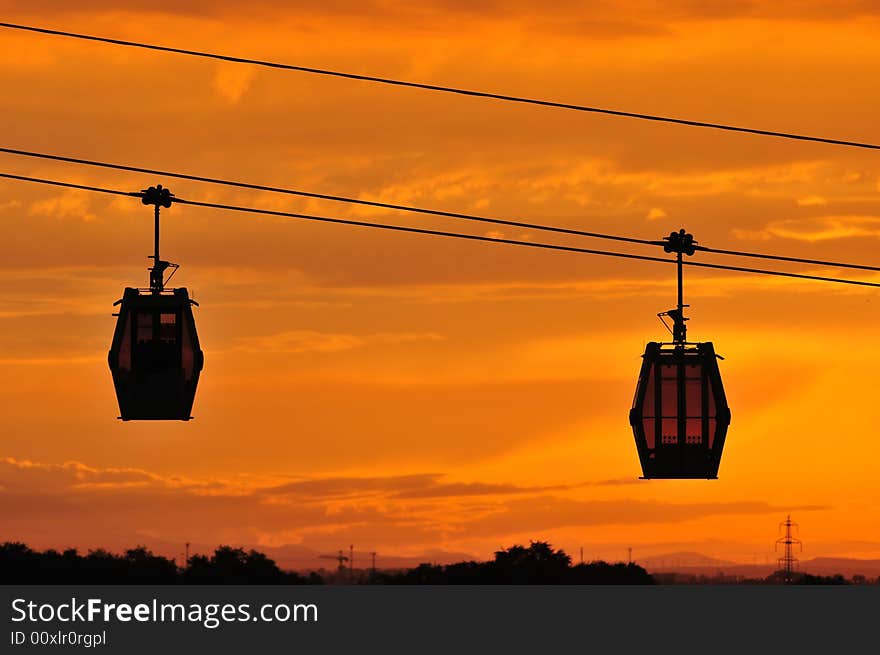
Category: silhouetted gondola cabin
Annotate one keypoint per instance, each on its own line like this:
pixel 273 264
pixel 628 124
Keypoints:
pixel 680 415
pixel 155 357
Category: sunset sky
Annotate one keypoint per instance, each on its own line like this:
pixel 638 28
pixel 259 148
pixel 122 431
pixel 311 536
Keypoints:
pixel 410 394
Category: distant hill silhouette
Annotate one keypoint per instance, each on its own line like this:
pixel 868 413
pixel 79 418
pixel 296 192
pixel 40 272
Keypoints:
pixel 691 563
pixel 682 559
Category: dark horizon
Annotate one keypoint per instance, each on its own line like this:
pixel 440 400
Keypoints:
pixel 538 563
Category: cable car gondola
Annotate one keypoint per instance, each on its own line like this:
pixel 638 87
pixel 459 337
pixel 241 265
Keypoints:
pixel 679 415
pixel 155 359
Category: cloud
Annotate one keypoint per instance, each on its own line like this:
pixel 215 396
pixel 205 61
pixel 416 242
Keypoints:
pixel 18 473
pixel 72 204
pixel 76 504
pixel 820 228
pixel 231 81
pixel 615 482
pixel 307 341
pixel 547 512
pixel 302 341
pixel 610 18
pixel 334 487
pixel 458 184
pixel 655 214
pixel 465 489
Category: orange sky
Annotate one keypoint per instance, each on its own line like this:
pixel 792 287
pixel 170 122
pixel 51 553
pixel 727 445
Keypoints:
pixel 409 394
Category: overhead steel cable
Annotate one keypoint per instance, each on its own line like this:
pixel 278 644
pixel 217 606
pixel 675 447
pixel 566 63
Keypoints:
pixel 420 210
pixel 325 196
pixel 69 185
pixel 455 235
pixel 784 258
pixel 444 89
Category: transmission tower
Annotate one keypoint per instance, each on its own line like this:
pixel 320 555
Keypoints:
pixel 788 562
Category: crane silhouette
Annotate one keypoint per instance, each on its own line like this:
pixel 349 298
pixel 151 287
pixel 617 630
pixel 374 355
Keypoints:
pixel 339 557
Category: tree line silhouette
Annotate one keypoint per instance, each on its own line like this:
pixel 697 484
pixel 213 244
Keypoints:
pixel 538 563
pixel 21 565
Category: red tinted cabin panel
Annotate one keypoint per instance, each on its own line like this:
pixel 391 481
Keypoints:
pixel 144 322
pixel 123 359
pixel 648 429
pixel 168 327
pixel 187 352
pixel 668 390
pixel 650 394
